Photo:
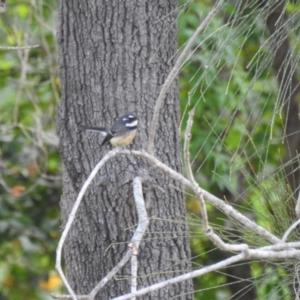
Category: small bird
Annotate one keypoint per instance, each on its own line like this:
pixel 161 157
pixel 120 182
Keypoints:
pixel 121 133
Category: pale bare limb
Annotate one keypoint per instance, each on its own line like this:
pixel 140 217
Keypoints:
pixel 257 253
pixel 18 47
pixel 218 203
pixel 186 146
pixel 134 269
pixel 217 266
pixel 272 251
pixel 297 206
pixel 180 278
pixel 208 231
pixel 282 246
pixel 68 297
pixel 110 275
pixel 142 227
pixel 289 230
pixel 143 223
pixel 174 73
pixel 190 174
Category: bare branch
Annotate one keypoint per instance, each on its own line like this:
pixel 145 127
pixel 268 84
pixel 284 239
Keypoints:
pixel 190 174
pixel 180 278
pixel 18 47
pixel 186 146
pixel 134 269
pixel 174 73
pixel 272 251
pixel 218 203
pixel 68 297
pixel 143 223
pixel 217 266
pixel 208 231
pixel 289 230
pixel 142 227
pixel 110 275
pixel 297 206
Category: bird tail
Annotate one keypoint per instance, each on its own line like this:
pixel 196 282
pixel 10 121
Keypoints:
pixel 102 130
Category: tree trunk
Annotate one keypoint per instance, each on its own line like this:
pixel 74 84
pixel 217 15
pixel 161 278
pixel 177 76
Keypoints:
pixel 288 93
pixel 114 56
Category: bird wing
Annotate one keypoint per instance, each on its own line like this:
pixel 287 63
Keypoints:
pixel 107 138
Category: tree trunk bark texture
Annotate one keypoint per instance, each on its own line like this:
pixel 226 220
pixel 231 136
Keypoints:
pixel 288 93
pixel 113 57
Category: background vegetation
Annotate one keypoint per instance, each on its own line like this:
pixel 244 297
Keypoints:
pixel 237 145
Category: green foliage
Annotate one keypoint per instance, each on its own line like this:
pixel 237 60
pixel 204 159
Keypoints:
pixel 237 135
pixel 236 147
pixel 30 180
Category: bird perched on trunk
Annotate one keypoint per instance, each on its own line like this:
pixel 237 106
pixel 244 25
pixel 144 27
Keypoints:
pixel 121 133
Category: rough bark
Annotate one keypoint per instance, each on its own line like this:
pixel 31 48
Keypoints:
pixel 113 58
pixel 288 91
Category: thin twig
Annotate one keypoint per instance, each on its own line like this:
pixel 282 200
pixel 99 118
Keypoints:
pixel 239 257
pixel 18 47
pixel 110 275
pixel 190 175
pixel 180 278
pixel 297 206
pixel 143 223
pixel 289 230
pixel 142 227
pixel 174 73
pixel 186 146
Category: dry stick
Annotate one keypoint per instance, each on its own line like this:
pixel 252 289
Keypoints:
pixel 18 48
pixel 214 200
pixel 186 146
pixel 142 227
pixel 208 231
pixel 297 206
pixel 282 246
pixel 134 268
pixel 218 203
pixel 143 223
pixel 174 73
pixel 72 217
pixel 289 230
pixel 262 252
pixel 190 174
pixel 180 278
pixel 68 297
pixel 217 266
pixel 110 275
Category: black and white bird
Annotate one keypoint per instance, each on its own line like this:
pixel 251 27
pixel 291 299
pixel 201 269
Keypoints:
pixel 121 133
